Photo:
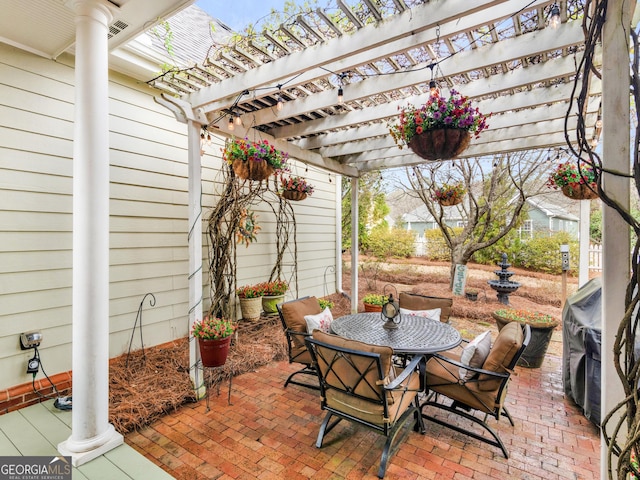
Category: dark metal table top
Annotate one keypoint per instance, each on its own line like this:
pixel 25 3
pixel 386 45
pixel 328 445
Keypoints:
pixel 414 334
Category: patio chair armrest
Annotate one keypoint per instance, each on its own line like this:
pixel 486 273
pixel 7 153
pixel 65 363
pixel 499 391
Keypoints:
pixel 298 333
pixel 408 370
pixel 475 370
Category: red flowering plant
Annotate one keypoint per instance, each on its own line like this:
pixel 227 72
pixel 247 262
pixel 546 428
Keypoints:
pixel 295 184
pixel 568 174
pixel 213 328
pixel 250 291
pixel 262 151
pixel 448 191
pixel 274 288
pixel 453 112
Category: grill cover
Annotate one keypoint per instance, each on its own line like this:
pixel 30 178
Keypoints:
pixel 581 338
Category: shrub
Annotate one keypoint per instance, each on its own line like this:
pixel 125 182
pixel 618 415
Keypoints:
pixel 510 244
pixel 435 247
pixel 542 253
pixel 396 242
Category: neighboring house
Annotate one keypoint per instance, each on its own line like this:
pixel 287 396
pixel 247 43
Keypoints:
pixel 543 217
pixel 148 221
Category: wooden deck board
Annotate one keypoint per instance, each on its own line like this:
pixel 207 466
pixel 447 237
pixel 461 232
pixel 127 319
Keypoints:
pixel 38 429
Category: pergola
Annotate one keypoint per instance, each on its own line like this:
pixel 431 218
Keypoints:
pixel 503 54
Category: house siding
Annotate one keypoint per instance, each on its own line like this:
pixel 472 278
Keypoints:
pixel 148 216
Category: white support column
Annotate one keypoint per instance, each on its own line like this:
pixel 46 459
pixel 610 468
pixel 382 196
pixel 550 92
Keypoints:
pixel 195 252
pixel 91 434
pixel 616 157
pixel 585 239
pixel 338 197
pixel 355 247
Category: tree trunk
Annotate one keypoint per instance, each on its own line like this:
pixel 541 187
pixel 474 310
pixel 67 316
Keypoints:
pixel 458 257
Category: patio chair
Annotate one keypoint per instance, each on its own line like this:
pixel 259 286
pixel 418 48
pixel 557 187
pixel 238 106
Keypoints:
pixel 470 389
pixel 295 328
pixel 417 302
pixel 358 383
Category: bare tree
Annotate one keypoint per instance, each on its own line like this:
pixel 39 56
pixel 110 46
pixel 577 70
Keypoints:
pixel 497 190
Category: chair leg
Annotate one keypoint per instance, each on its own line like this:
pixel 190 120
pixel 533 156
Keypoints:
pixel 508 415
pixel 496 442
pixel 306 371
pixel 326 427
pixel 398 427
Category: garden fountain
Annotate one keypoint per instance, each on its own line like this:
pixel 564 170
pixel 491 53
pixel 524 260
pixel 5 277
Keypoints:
pixel 504 286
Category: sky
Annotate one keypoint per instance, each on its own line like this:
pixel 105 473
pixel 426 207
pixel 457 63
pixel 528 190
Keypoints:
pixel 237 14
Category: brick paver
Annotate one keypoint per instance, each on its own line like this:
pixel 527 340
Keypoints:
pixel 269 432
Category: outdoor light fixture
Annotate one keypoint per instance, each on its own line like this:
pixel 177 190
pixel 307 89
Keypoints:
pixel 230 125
pixel 340 95
pixel 554 19
pixel 236 118
pixel 433 89
pixel 280 103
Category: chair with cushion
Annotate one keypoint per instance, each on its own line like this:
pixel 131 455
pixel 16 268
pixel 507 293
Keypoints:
pixel 292 315
pixel 465 383
pixel 425 306
pixel 358 383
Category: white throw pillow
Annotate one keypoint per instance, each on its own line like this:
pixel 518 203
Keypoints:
pixel 321 321
pixel 432 314
pixel 474 354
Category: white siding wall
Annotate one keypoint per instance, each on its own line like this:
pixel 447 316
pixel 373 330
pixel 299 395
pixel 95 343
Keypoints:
pixel 148 224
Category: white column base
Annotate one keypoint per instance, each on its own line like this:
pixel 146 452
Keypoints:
pixel 86 450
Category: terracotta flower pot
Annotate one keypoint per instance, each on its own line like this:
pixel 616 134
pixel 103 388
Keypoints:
pixel 581 192
pixel 369 307
pixel 294 195
pixel 213 353
pixel 440 143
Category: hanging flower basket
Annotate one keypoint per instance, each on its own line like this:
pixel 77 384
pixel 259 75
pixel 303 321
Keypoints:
pixel 440 143
pixel 578 183
pixel 449 194
pixel 294 195
pixel 581 191
pixel 440 129
pixel 253 160
pixel 295 188
pixel 252 170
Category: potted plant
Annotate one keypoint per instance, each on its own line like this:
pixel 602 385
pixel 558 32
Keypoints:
pixel 449 194
pixel 579 183
pixel 373 302
pixel 295 188
pixel 441 128
pixel 324 303
pixel 253 160
pixel 542 326
pixel 214 339
pixel 250 301
pixel 471 294
pixel 272 294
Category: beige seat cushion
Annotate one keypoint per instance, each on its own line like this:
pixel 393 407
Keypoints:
pixel 397 401
pixel 414 301
pixel 504 349
pixel 444 378
pixel 293 313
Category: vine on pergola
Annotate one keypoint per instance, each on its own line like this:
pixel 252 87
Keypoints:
pixel 626 362
pixel 235 198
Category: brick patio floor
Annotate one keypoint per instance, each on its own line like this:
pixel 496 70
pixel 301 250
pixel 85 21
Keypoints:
pixel 269 432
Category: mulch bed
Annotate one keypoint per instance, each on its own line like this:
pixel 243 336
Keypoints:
pixel 144 387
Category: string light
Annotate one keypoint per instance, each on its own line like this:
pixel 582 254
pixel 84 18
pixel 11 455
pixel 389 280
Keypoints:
pixel 230 125
pixel 554 19
pixel 433 89
pixel 280 103
pixel 340 95
pixel 236 118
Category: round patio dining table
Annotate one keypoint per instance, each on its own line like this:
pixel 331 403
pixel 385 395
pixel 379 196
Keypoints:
pixel 414 335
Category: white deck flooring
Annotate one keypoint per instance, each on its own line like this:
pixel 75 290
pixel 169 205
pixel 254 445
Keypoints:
pixel 38 429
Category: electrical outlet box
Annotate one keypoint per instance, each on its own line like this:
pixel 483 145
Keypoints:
pixel 30 340
pixel 33 365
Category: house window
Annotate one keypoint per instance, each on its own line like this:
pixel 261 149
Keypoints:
pixel 526 230
pixel 461 223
